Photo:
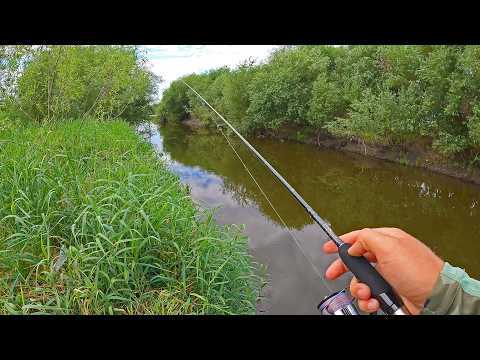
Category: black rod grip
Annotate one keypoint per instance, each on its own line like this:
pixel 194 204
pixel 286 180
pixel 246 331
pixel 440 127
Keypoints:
pixel 367 274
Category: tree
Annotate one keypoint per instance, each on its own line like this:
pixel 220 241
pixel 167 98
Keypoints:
pixel 59 82
pixel 281 89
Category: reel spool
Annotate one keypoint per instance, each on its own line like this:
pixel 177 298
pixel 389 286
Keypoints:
pixel 338 303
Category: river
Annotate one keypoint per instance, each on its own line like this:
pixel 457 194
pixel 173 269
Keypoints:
pixel 348 190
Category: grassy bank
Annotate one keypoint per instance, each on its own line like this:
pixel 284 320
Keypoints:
pixel 92 223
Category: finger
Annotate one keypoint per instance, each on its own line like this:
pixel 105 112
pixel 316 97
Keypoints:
pixel 353 286
pixel 336 269
pixel 350 237
pixel 359 290
pixel 357 249
pixel 370 257
pixel 369 306
pixel 368 240
pixel 330 248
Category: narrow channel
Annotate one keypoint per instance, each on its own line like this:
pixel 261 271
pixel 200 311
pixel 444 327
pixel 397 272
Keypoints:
pixel 349 190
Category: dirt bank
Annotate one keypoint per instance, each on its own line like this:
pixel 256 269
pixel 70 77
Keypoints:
pixel 417 154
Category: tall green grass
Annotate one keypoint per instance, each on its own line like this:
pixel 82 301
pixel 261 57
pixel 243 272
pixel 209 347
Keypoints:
pixel 91 222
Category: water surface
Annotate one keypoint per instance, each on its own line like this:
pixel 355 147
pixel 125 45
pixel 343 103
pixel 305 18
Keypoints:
pixel 348 190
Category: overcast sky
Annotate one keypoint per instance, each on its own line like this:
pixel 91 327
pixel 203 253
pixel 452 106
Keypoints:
pixel 173 61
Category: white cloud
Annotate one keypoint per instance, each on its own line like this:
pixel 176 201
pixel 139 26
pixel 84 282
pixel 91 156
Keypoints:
pixel 173 61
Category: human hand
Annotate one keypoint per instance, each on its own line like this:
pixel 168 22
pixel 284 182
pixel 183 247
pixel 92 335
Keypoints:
pixel 407 264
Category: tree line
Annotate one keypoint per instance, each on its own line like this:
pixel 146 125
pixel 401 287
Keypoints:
pixel 49 83
pixel 392 95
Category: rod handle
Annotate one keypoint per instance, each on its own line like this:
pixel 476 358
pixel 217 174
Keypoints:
pixel 381 290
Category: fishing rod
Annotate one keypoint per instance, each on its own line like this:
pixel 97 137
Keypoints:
pixel 337 303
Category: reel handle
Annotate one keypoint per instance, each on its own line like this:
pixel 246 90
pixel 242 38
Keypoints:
pixel 390 303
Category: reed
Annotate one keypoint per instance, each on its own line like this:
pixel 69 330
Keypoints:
pixel 92 222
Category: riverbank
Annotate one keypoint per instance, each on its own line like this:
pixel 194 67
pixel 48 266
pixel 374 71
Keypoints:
pixel 422 98
pixel 418 154
pixel 91 222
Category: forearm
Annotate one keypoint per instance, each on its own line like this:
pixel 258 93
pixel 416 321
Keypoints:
pixel 455 293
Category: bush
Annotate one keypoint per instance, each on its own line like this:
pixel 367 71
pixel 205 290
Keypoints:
pixel 235 96
pixel 367 119
pixel 327 101
pixel 61 82
pixel 281 90
pixel 379 94
pixel 449 144
pixel 474 126
pixel 174 102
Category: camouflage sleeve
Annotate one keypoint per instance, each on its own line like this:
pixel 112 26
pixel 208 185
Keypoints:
pixel 455 293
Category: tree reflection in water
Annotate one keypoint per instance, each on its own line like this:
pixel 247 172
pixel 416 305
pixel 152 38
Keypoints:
pixel 350 191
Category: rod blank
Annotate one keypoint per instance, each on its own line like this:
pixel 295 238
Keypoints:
pixel 313 214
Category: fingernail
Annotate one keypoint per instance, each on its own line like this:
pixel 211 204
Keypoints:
pixel 372 304
pixel 327 274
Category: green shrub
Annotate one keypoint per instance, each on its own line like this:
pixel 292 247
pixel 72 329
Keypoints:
pixel 367 119
pixel 235 96
pixel 378 94
pixel 61 82
pixel 474 126
pixel 174 102
pixel 449 144
pixel 327 101
pixel 281 90
pixel 210 86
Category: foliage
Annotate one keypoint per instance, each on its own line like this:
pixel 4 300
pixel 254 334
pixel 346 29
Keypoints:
pixel 235 95
pixel 48 83
pixel 327 102
pixel 379 94
pixel 210 85
pixel 281 89
pixel 100 226
pixel 174 102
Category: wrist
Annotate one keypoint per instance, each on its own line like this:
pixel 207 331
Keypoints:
pixel 436 270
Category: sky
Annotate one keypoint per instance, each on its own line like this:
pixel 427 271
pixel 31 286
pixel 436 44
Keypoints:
pixel 173 61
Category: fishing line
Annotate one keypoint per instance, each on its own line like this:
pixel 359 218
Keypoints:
pixel 265 196
pixel 322 223
pixel 390 302
pixel 276 212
